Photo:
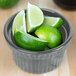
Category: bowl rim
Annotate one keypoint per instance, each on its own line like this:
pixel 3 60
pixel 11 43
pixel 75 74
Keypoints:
pixel 53 50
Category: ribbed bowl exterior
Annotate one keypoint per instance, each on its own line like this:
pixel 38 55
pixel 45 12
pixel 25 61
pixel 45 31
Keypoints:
pixel 38 63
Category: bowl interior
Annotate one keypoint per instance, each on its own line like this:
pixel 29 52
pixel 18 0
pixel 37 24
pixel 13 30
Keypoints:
pixel 64 29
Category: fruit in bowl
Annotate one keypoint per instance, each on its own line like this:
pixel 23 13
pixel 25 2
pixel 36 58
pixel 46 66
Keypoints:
pixel 49 34
pixel 32 52
pixel 33 21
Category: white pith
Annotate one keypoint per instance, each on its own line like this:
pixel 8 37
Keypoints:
pixel 56 21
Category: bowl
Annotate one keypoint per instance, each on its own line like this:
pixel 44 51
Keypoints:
pixel 39 61
pixel 66 4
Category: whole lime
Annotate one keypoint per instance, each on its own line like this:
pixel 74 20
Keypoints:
pixel 49 34
pixel 8 3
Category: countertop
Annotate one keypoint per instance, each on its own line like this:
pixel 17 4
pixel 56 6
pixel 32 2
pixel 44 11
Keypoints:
pixel 7 65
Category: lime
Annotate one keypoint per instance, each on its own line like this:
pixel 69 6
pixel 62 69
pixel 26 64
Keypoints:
pixel 53 21
pixel 49 34
pixel 19 22
pixel 34 17
pixel 8 3
pixel 29 42
pixel 46 48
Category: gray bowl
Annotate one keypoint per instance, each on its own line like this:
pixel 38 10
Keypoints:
pixel 43 61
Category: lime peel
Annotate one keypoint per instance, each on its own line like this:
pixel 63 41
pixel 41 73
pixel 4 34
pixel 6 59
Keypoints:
pixel 29 42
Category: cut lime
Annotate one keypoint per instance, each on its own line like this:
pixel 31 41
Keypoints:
pixel 34 17
pixel 19 22
pixel 53 21
pixel 49 34
pixel 29 42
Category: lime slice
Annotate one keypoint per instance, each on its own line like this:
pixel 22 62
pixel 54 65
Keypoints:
pixel 34 17
pixel 19 22
pixel 49 34
pixel 29 42
pixel 53 21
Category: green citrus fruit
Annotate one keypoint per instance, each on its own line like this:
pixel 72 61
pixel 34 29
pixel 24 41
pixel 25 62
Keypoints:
pixel 19 22
pixel 49 34
pixel 53 21
pixel 34 17
pixel 46 48
pixel 29 42
pixel 8 3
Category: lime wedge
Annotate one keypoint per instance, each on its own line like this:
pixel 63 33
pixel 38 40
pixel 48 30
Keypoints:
pixel 49 34
pixel 19 22
pixel 29 42
pixel 34 17
pixel 53 21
